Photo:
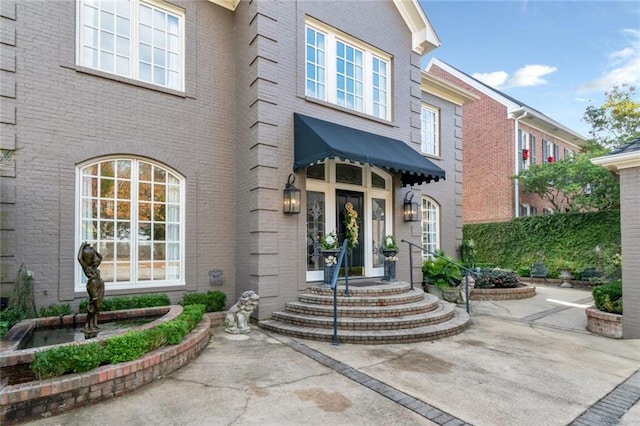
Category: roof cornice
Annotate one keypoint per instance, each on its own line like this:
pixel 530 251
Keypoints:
pixel 445 90
pixel 424 36
pixel 515 110
pixel 618 162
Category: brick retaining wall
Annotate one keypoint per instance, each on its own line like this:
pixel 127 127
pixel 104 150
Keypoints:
pixel 42 398
pixel 502 293
pixel 604 323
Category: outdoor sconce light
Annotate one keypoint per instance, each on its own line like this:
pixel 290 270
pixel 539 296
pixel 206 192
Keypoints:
pixel 291 200
pixel 411 210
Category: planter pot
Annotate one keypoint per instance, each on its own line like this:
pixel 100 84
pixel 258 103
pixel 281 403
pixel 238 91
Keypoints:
pixel 330 264
pixel 389 270
pixel 566 275
pixel 451 294
pixel 435 290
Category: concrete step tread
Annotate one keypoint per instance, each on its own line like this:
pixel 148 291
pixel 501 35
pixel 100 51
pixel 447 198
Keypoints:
pixel 362 299
pixel 455 325
pixel 441 313
pixel 428 302
pixel 358 288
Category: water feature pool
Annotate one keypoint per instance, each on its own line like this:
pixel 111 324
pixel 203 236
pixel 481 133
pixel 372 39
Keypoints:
pixel 47 336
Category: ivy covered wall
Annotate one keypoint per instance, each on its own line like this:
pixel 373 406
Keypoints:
pixel 574 240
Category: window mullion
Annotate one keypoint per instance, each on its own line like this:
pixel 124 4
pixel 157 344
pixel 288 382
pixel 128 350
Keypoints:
pixel 367 82
pixel 133 254
pixel 133 12
pixel 330 59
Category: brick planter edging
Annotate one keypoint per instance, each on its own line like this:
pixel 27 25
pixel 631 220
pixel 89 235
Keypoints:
pixel 523 292
pixel 604 323
pixel 43 398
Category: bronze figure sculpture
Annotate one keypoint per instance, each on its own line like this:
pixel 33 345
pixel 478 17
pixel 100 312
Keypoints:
pixel 90 259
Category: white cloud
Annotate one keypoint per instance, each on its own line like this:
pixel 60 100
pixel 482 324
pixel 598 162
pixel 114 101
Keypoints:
pixel 624 67
pixel 494 79
pixel 530 75
pixel 527 76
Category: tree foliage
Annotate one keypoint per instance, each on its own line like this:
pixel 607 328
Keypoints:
pixel 617 120
pixel 573 184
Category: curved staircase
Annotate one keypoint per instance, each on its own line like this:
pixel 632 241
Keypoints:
pixel 376 312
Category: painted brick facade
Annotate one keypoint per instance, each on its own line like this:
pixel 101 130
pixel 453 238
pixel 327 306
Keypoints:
pixel 230 135
pixel 489 135
pixel 630 224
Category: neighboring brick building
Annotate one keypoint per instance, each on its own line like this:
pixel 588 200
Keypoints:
pixel 164 133
pixel 501 137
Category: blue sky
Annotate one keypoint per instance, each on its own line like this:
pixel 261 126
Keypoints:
pixel 555 56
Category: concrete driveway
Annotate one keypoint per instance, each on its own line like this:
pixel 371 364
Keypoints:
pixel 523 362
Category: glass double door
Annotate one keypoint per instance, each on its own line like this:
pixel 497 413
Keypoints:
pixel 356 256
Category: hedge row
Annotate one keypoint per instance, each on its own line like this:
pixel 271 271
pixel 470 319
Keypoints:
pixel 127 347
pixel 577 239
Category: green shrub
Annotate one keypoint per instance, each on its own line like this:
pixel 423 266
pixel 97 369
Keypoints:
pixel 10 317
pixel 608 297
pixel 129 302
pixel 54 311
pixel 213 300
pixel 497 278
pixel 174 331
pixel 441 272
pixel 66 359
pixel 127 347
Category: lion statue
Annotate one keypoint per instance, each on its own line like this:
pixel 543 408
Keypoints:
pixel 237 319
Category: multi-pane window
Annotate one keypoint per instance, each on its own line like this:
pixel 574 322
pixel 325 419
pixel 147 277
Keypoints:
pixel 133 38
pixel 429 130
pixel 346 72
pixel 548 151
pixel 132 212
pixel 568 153
pixel 349 76
pixel 430 226
pixel 315 48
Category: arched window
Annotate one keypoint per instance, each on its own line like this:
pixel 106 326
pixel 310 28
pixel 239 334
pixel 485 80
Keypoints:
pixel 430 226
pixel 132 211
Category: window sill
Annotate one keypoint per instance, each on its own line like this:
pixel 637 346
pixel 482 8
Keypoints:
pixel 127 80
pixel 431 156
pixel 348 111
pixel 135 289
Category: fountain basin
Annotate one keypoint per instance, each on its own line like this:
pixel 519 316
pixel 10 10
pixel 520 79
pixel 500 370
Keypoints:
pixel 10 347
pixel 43 398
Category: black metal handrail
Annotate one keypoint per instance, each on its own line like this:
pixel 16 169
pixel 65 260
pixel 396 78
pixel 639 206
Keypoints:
pixel 334 286
pixel 464 268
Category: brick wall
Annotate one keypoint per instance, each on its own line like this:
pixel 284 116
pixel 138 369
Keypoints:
pixel 630 223
pixel 489 151
pixel 66 115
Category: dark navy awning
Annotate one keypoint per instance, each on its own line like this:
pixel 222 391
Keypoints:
pixel 317 140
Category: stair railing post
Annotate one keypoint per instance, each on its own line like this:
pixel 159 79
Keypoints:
pixel 411 268
pixel 334 286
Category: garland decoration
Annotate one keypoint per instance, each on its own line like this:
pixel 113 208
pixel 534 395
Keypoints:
pixel 351 221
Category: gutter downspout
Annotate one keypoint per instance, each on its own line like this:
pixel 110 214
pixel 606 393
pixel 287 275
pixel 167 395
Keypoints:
pixel 516 194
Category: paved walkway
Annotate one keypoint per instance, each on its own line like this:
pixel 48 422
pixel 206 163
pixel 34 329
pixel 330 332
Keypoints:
pixel 524 362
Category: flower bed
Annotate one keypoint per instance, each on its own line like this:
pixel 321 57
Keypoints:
pixel 604 323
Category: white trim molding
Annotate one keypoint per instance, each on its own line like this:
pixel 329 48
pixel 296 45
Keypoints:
pixel 618 162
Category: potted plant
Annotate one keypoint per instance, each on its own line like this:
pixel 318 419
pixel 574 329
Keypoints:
pixel 389 250
pixel 329 250
pixel 442 277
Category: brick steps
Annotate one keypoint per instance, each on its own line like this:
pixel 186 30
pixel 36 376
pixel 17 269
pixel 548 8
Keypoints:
pixel 374 313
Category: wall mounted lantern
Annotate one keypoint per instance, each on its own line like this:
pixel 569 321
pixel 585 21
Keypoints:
pixel 411 210
pixel 291 200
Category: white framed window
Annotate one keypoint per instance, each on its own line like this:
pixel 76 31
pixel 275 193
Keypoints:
pixel 524 150
pixel 568 153
pixel 142 40
pixel 430 130
pixel 549 154
pixel 344 71
pixel 430 226
pixel 547 211
pixel 132 211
